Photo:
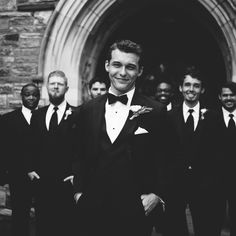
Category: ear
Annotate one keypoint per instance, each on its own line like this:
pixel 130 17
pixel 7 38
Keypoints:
pixel 140 71
pixel 180 89
pixel 203 90
pixel 107 65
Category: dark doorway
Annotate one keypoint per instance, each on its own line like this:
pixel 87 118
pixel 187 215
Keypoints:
pixel 175 35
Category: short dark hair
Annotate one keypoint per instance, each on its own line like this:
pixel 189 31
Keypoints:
pixel 128 46
pixel 29 85
pixel 230 85
pixel 57 73
pixel 100 80
pixel 194 72
pixel 164 78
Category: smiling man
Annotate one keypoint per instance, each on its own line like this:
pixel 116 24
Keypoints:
pixel 116 180
pixel 194 181
pixel 227 137
pixel 16 133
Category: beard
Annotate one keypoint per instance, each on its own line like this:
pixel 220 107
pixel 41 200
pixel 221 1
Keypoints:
pixel 56 100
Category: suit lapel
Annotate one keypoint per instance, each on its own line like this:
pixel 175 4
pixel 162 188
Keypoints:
pixel 98 115
pixel 130 125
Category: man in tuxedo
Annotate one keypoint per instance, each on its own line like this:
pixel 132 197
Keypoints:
pixel 119 152
pixel 192 177
pixel 164 90
pixel 16 133
pixel 51 160
pixel 227 134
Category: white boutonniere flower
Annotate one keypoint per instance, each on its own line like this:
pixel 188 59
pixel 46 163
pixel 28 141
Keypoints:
pixel 68 113
pixel 202 113
pixel 139 110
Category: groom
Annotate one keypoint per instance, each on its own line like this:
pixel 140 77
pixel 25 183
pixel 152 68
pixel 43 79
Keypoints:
pixel 115 180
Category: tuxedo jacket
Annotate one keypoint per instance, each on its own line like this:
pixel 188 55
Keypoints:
pixel 131 156
pixel 51 152
pixel 16 133
pixel 196 156
pixel 226 149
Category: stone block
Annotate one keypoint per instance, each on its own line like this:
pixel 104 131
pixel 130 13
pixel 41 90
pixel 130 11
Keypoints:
pixel 30 40
pixel 24 69
pixel 6 88
pixel 4 72
pixel 5 51
pixel 7 5
pixel 4 24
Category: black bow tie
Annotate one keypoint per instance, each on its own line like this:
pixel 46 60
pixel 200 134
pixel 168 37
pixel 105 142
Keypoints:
pixel 112 98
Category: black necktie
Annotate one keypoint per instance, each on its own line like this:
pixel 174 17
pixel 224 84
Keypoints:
pixel 54 120
pixel 190 122
pixel 112 98
pixel 231 124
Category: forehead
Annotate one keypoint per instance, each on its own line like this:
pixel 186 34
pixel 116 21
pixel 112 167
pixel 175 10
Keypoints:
pixel 29 90
pixel 124 57
pixel 226 91
pixel 163 86
pixel 190 79
pixel 98 85
pixel 57 79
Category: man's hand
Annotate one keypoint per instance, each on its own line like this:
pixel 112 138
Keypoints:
pixel 150 201
pixel 69 178
pixel 77 197
pixel 33 175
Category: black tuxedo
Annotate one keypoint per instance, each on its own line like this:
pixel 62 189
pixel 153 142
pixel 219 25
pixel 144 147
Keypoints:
pixel 16 133
pixel 226 169
pixel 112 176
pixel 192 176
pixel 51 159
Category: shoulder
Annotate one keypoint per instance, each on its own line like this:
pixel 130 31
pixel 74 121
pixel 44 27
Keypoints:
pixel 11 114
pixel 93 102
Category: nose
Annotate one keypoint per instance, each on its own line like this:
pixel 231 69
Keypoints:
pixel 122 71
pixel 191 87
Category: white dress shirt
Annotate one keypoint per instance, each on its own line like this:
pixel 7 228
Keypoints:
pixel 116 115
pixel 60 112
pixel 196 111
pixel 26 113
pixel 226 116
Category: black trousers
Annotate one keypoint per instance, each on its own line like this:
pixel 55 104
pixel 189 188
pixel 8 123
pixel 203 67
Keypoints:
pixel 21 195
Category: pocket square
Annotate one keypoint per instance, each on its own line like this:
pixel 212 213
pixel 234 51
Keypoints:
pixel 140 130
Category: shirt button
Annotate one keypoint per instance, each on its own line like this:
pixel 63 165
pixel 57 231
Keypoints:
pixel 190 167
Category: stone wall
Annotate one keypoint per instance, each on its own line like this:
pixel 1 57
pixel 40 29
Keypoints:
pixel 22 25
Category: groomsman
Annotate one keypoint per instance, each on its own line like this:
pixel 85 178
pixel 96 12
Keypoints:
pixel 227 137
pixel 191 169
pixel 51 160
pixel 16 133
pixel 119 152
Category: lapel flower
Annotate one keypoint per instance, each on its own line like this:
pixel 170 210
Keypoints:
pixel 139 110
pixel 202 113
pixel 67 113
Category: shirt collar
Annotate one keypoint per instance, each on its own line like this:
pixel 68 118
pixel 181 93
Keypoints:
pixel 25 110
pixel 226 113
pixel 196 108
pixel 61 107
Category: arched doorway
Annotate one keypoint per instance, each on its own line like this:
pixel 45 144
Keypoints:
pixel 198 31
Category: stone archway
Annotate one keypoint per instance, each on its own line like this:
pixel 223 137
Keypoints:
pixel 78 31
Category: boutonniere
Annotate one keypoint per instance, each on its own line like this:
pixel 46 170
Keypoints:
pixel 202 113
pixel 139 110
pixel 68 113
